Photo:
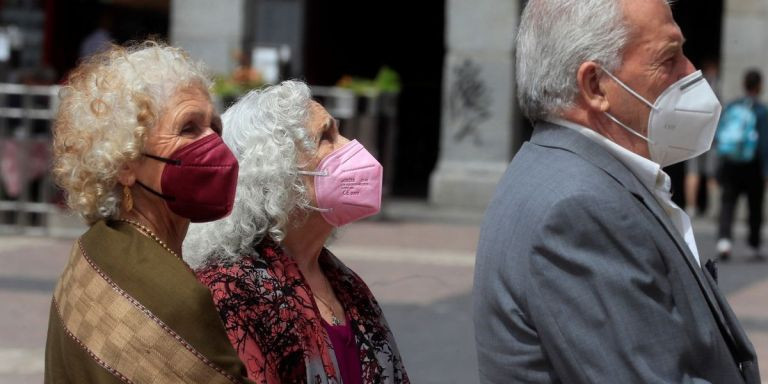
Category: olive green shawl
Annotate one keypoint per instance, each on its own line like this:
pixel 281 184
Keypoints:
pixel 126 310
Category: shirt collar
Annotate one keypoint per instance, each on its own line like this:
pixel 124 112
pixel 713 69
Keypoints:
pixel 648 172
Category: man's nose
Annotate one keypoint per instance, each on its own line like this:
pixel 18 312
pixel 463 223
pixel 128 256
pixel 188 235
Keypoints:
pixel 688 68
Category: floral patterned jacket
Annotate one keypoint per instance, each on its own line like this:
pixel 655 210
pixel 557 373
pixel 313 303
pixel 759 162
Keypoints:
pixel 274 323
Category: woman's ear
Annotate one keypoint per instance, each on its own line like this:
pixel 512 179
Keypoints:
pixel 125 175
pixel 591 89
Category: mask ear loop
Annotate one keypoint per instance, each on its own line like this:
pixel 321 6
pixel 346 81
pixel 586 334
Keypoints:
pixel 633 93
pixel 317 209
pixel 163 159
pixel 632 131
pixel 628 89
pixel 315 173
pixel 156 193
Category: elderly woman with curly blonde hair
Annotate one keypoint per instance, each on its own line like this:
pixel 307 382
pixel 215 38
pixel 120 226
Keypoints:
pixel 138 152
pixel 294 312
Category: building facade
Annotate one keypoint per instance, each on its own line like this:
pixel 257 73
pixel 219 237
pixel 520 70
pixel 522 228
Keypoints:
pixel 459 124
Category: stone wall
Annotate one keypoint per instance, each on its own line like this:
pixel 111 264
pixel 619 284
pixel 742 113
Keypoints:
pixel 744 44
pixel 210 30
pixel 478 102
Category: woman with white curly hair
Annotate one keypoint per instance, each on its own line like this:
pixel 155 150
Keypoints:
pixel 294 312
pixel 138 152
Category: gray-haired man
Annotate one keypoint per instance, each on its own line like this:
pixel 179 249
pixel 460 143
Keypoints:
pixel 586 271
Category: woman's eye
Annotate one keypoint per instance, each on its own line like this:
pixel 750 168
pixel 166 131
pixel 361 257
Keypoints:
pixel 189 129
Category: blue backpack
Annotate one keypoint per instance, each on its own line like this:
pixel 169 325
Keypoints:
pixel 737 132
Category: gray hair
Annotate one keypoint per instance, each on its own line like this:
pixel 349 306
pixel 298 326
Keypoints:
pixel 267 132
pixel 555 38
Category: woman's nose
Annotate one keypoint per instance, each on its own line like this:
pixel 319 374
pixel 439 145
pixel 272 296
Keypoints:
pixel 341 141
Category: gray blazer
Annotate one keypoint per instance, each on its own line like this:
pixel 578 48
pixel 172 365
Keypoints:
pixel 582 278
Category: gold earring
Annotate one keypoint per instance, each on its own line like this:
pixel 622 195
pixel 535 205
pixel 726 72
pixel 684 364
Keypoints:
pixel 127 199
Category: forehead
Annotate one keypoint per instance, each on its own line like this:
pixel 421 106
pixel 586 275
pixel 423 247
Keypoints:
pixel 318 117
pixel 651 25
pixel 317 113
pixel 316 109
pixel 189 94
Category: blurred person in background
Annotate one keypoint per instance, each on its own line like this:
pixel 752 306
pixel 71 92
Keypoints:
pixel 700 171
pixel 742 147
pixel 294 312
pixel 100 38
pixel 586 271
pixel 137 151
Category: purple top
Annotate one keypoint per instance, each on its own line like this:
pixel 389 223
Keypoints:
pixel 346 351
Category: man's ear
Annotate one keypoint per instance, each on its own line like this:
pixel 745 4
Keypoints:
pixel 125 175
pixel 590 88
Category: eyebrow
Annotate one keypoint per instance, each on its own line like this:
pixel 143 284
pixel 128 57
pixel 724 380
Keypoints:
pixel 670 48
pixel 191 115
pixel 198 115
pixel 329 123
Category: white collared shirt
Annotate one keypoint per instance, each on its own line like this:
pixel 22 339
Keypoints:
pixel 650 174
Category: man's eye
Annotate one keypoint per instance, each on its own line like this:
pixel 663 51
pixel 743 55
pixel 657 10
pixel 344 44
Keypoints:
pixel 189 129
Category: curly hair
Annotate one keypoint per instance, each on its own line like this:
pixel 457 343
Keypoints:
pixel 108 106
pixel 267 132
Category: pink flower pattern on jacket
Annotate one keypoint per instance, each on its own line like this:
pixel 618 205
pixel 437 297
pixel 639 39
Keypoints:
pixel 273 321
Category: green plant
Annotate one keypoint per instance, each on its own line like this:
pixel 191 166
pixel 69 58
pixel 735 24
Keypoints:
pixel 387 80
pixel 238 83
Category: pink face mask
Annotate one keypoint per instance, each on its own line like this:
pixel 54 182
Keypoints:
pixel 348 184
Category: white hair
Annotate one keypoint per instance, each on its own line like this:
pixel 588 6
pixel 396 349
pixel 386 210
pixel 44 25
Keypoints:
pixel 111 102
pixel 554 39
pixel 267 132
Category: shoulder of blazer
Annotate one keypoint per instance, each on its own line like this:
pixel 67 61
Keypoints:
pixel 565 138
pixel 555 136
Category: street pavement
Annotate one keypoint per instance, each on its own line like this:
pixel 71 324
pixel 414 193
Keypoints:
pixel 417 260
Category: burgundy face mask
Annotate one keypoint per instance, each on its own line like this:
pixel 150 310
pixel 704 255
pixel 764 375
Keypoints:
pixel 199 180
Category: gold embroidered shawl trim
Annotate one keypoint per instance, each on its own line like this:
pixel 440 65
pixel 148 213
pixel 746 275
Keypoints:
pixel 122 335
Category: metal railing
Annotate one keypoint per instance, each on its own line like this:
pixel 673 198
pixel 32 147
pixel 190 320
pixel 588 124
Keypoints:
pixel 28 198
pixel 26 190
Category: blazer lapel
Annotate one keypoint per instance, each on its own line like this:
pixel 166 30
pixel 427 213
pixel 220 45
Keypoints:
pixel 554 136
